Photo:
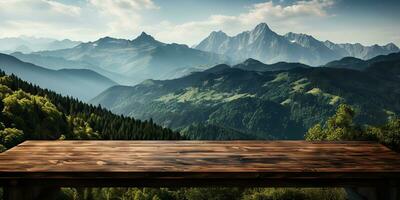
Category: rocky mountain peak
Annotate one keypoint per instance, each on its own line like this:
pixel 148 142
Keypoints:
pixel 262 27
pixel 251 61
pixel 144 37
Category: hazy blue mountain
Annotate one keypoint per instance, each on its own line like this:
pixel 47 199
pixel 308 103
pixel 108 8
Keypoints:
pixel 260 104
pixel 265 45
pixel 255 65
pixel 30 44
pixel 57 63
pixel 359 51
pixel 80 83
pixel 138 59
pixel 319 49
pixel 261 43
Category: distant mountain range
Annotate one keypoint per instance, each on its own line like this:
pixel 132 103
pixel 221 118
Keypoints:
pixel 31 44
pixel 265 45
pixel 79 83
pixel 257 101
pixel 129 61
pixel 57 63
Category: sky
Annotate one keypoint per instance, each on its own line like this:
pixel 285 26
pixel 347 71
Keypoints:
pixel 189 21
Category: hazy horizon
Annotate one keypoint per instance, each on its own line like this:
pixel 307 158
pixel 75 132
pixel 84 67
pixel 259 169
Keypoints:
pixel 188 22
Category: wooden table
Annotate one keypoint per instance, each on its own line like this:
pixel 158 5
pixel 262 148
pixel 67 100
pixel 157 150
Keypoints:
pixel 54 164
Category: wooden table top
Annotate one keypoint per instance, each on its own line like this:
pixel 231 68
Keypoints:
pixel 213 159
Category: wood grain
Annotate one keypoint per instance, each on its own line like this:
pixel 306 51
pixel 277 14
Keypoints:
pixel 191 162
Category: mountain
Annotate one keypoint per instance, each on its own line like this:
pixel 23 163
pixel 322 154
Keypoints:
pixel 259 104
pixel 57 63
pixel 31 44
pixel 348 63
pixel 359 51
pixel 255 65
pixel 358 64
pixel 261 43
pixel 318 48
pixel 80 83
pixel 138 59
pixel 265 45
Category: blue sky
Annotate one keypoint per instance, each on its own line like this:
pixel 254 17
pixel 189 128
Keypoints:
pixel 188 21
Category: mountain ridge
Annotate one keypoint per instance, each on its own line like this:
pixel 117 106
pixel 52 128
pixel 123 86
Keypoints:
pixel 72 82
pixel 138 59
pixel 263 44
pixel 31 44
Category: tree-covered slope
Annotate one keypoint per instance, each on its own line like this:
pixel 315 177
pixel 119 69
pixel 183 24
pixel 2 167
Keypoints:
pixel 358 64
pixel 255 65
pixel 270 104
pixel 29 112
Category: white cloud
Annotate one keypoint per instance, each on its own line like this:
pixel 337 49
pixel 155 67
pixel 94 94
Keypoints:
pixel 36 10
pixel 285 16
pixel 91 19
pixel 87 20
pixel 120 5
pixel 270 11
pixel 43 18
pixel 122 16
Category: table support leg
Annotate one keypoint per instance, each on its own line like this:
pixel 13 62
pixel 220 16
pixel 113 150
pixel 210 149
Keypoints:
pixel 371 193
pixel 30 193
pixel 15 192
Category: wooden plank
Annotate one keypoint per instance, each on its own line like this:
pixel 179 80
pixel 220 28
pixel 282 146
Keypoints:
pixel 156 162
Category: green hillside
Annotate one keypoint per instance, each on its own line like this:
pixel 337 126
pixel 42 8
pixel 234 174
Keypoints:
pixel 279 104
pixel 29 112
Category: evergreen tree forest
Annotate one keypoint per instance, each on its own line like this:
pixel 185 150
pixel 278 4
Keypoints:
pixel 30 112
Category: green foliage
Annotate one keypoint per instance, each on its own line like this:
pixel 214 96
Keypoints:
pixel 338 127
pixel 2 148
pixel 295 194
pixel 341 127
pixel 124 193
pixel 213 193
pixel 10 137
pixel 275 194
pixel 151 194
pixel 34 115
pixel 210 193
pixel 388 134
pixel 81 129
pixel 200 131
pixel 4 91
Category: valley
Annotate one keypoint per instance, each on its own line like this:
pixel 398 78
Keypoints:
pixel 277 104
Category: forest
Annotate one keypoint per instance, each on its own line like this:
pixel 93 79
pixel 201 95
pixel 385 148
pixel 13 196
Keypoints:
pixel 29 112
